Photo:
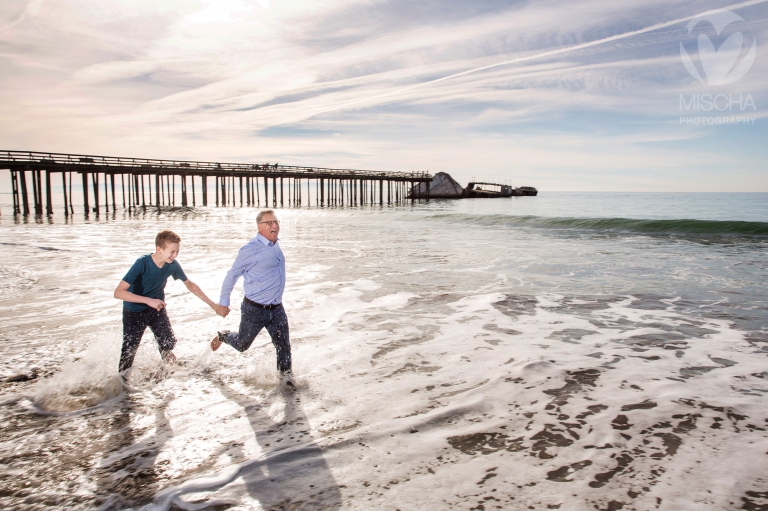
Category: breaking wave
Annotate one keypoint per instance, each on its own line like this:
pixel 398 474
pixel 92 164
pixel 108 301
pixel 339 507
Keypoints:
pixel 618 225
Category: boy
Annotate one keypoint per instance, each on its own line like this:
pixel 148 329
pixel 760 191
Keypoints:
pixel 142 291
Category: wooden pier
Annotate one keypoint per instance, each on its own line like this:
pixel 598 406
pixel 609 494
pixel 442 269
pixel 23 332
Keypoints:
pixel 146 182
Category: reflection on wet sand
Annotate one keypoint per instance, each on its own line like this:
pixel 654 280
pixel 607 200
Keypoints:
pixel 297 478
pixel 128 475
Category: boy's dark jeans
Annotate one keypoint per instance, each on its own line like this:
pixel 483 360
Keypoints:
pixel 134 325
pixel 252 320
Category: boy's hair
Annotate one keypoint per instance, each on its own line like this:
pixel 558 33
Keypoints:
pixel 165 237
pixel 262 213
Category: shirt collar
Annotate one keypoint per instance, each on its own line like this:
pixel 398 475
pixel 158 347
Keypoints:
pixel 265 241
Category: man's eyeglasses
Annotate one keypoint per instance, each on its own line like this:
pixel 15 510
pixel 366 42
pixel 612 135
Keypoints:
pixel 271 222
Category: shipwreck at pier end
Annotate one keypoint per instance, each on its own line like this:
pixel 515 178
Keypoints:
pixel 443 186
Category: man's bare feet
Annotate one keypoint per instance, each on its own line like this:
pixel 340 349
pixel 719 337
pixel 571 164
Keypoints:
pixel 219 339
pixel 216 342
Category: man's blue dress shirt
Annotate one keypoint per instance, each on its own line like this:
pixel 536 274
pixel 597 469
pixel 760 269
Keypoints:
pixel 262 266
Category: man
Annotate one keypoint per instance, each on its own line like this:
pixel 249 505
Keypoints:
pixel 262 265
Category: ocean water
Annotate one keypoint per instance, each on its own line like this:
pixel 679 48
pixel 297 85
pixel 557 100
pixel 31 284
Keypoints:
pixel 572 351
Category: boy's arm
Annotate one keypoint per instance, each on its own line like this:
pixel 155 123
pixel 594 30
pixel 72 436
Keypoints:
pixel 221 310
pixel 122 293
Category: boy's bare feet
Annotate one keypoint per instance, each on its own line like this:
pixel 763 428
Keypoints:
pixel 126 384
pixel 287 378
pixel 169 358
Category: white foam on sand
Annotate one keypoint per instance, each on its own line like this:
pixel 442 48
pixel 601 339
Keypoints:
pixel 16 279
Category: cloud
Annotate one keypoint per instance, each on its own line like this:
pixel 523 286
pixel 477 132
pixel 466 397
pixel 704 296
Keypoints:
pixel 222 11
pixel 112 71
pixel 244 79
pixel 30 11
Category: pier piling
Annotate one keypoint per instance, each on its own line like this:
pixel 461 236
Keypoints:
pixel 95 183
pixel 64 188
pixel 48 194
pixel 71 207
pixel 112 184
pixel 35 196
pixel 85 194
pixel 15 192
pixel 24 195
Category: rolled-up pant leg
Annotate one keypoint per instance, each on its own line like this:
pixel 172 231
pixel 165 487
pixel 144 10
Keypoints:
pixel 278 331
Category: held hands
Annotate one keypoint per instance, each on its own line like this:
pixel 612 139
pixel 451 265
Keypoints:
pixel 221 310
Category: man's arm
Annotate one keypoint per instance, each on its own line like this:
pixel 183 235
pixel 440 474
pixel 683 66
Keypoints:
pixel 221 310
pixel 122 293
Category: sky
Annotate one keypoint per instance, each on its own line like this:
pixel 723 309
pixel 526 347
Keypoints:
pixel 637 95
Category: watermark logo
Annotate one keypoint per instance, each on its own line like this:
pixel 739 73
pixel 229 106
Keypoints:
pixel 720 66
pixel 716 67
pixel 733 109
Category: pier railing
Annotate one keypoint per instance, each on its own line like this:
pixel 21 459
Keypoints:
pixel 59 162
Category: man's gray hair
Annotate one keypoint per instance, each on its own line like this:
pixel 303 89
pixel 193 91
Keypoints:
pixel 262 213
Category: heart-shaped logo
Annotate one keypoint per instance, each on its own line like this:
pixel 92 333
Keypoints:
pixel 721 66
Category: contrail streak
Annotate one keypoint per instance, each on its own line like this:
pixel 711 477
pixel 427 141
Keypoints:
pixel 549 53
